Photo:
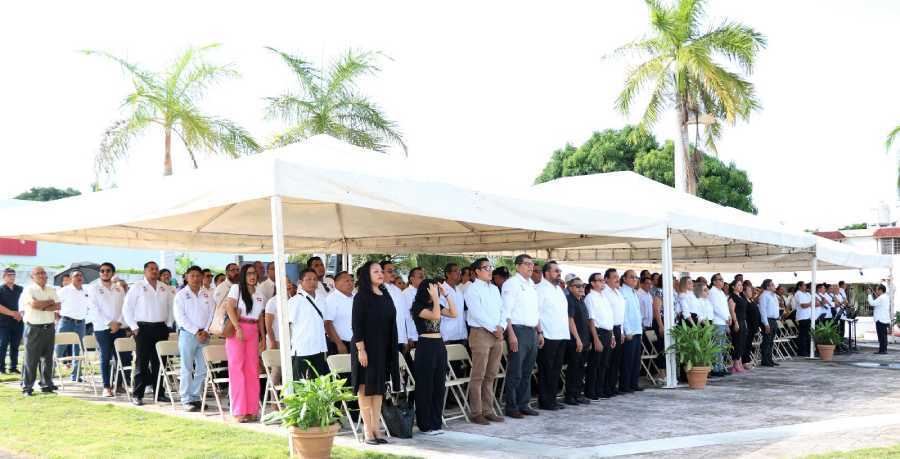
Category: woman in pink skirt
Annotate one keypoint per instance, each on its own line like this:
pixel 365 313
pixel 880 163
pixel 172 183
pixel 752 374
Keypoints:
pixel 245 306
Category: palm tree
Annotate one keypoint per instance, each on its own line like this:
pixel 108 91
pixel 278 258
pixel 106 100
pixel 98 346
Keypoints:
pixel 683 72
pixel 169 100
pixel 329 102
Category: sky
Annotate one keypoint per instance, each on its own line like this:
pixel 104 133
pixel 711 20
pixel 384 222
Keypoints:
pixel 484 91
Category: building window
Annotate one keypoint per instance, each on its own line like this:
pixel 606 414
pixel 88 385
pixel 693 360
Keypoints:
pixel 890 246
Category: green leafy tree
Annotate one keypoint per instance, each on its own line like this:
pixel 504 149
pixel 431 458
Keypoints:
pixel 606 151
pixel 329 102
pixel 183 262
pixel 168 100
pixel 854 226
pixel 47 194
pixel 682 68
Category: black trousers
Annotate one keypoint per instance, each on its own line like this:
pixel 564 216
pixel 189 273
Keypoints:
pixel 631 363
pixel 881 329
pixel 615 363
pixel 598 365
pixel 10 338
pixel 146 364
pixel 430 370
pixel 303 366
pixel 803 337
pixel 739 340
pixel 768 342
pixel 575 367
pixel 550 361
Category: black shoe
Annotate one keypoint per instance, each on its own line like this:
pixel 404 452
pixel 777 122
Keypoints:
pixel 16 372
pixel 584 400
pixel 775 364
pixel 637 389
pixel 545 407
pixel 163 399
pixel 372 441
pixel 767 365
pixel 28 393
pixel 49 390
pixel 529 412
pixel 515 414
pixel 571 401
pixel 137 401
pixel 381 441
pixel 191 408
pixel 560 406
pixel 197 404
pixel 606 396
pixel 626 391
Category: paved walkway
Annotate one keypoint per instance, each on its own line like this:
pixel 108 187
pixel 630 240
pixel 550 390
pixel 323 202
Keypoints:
pixel 799 408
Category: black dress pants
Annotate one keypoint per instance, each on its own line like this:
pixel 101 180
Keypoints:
pixel 768 343
pixel 430 370
pixel 575 368
pixel 803 336
pixel 631 363
pixel 615 363
pixel 303 366
pixel 550 361
pixel 881 329
pixel 598 365
pixel 146 364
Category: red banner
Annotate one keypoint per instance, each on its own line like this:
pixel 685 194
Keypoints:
pixel 18 247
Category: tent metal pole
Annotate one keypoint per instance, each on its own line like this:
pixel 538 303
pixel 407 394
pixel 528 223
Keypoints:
pixel 812 316
pixel 668 312
pixel 284 333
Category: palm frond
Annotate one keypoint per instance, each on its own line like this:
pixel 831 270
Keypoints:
pixel 638 77
pixel 640 48
pixel 293 134
pixel 202 76
pixel 737 42
pixel 289 107
pixel 657 103
pixel 116 140
pixel 892 137
pixel 687 14
pixel 357 113
pixel 144 77
pixel 305 72
pixel 352 65
pixel 232 139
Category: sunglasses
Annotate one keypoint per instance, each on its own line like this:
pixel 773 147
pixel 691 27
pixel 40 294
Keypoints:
pixel 106 270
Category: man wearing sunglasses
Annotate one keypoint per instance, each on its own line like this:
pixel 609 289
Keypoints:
pixel 554 317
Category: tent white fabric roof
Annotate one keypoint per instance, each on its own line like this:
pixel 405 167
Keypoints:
pixel 336 198
pixel 705 236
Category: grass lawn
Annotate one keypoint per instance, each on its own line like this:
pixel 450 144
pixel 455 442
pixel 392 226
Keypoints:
pixel 867 453
pixel 56 426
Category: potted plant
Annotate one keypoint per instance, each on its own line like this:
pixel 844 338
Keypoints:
pixel 826 336
pixel 311 412
pixel 696 348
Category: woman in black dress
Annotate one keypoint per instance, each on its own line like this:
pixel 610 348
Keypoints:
pixel 739 327
pixel 753 322
pixel 373 355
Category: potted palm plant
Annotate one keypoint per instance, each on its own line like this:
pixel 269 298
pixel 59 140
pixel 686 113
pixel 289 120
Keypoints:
pixel 826 336
pixel 310 412
pixel 696 348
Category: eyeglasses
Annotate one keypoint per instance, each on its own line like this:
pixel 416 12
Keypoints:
pixel 486 268
pixel 106 271
pixel 578 285
pixel 528 263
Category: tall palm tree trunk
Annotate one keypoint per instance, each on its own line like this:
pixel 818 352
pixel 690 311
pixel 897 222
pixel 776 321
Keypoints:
pixel 681 151
pixel 167 161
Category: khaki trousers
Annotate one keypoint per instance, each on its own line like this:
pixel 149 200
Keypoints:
pixel 486 352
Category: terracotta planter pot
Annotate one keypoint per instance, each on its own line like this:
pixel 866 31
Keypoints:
pixel 315 443
pixel 826 351
pixel 697 377
pixel 895 331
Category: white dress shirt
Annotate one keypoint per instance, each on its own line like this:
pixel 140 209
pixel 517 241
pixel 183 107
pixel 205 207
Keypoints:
pixel 33 292
pixel 553 311
pixel 222 291
pixel 75 303
pixel 145 303
pixel 454 328
pixel 646 307
pixel 881 308
pixel 323 289
pixel 599 310
pixel 705 309
pixel 802 298
pixel 410 294
pixel 520 301
pixel 307 326
pixel 824 306
pixel 768 307
pixel 485 306
pixel 402 311
pixel 258 304
pixel 688 303
pixel 193 312
pixel 272 310
pixel 267 288
pixel 106 304
pixel 721 311
pixel 616 303
pixel 339 310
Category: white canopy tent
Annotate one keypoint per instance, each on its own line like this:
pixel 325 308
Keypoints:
pixel 319 195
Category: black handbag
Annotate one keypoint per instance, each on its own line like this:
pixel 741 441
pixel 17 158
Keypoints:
pixel 398 414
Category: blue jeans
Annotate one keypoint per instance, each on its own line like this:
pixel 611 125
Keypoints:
pixel 68 325
pixel 106 344
pixel 10 337
pixel 721 337
pixel 193 367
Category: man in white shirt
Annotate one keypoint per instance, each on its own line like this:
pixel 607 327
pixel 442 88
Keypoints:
pixel 601 317
pixel 523 334
pixel 232 273
pixel 768 314
pixel 40 303
pixel 466 278
pixel 553 311
pixel 208 280
pixel 147 312
pixel 165 278
pixel 614 297
pixel 453 329
pixel 307 319
pixel 881 312
pixel 823 304
pixel 106 298
pixel 339 314
pixel 271 319
pixel 404 317
pixel 194 308
pixel 267 287
pixel 416 275
pixel 318 266
pixel 74 310
pixel 632 330
pixel 721 319
pixel 802 304
pixel 486 324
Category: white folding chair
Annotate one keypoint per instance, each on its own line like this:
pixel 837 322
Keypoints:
pixel 407 380
pixel 340 364
pixel 121 346
pixel 173 336
pixel 90 364
pixel 169 369
pixel 70 339
pixel 272 366
pixel 649 356
pixel 216 373
pixel 457 386
pixel 501 375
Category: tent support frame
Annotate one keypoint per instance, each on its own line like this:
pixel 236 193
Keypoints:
pixel 668 312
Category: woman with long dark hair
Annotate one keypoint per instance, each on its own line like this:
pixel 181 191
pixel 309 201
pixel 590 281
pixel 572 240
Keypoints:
pixel 373 353
pixel 245 306
pixel 753 323
pixel 739 327
pixel 430 368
